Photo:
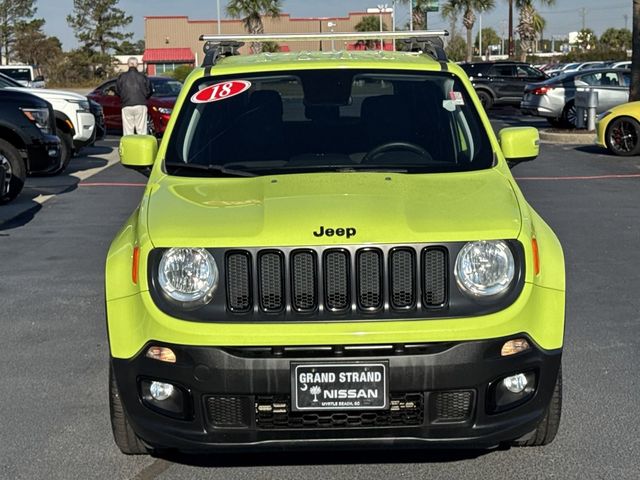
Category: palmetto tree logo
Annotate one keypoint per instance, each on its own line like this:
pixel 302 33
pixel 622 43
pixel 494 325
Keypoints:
pixel 315 391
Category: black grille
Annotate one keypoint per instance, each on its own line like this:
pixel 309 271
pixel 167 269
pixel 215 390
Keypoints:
pixel 451 407
pixel 337 280
pixel 434 270
pixel 333 281
pixel 403 290
pixel 238 282
pixel 228 411
pixel 270 274
pixel 274 413
pixel 370 279
pixel 304 278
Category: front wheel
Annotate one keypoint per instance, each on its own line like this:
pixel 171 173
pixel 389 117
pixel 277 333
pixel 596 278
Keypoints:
pixel 485 99
pixel 126 439
pixel 14 172
pixel 151 127
pixel 622 137
pixel 546 431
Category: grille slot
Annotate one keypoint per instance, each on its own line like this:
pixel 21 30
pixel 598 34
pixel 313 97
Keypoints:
pixel 337 279
pixel 238 267
pixel 370 279
pixel 274 413
pixel 304 281
pixel 452 406
pixel 402 271
pixel 434 271
pixel 270 275
pixel 228 411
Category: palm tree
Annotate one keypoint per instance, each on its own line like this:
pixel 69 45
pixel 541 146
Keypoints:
pixel 530 24
pixel 468 9
pixel 251 13
pixel 635 59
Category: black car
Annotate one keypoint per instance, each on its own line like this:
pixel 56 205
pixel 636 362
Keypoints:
pixel 100 131
pixel 501 82
pixel 28 142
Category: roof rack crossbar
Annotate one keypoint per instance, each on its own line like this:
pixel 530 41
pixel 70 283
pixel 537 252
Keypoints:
pixel 427 41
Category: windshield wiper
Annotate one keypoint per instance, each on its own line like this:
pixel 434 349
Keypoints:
pixel 229 172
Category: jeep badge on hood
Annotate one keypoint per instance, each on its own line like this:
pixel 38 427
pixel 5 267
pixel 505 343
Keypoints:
pixel 339 232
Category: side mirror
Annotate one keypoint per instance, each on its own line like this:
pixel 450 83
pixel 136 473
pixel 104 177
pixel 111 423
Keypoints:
pixel 519 144
pixel 39 78
pixel 138 152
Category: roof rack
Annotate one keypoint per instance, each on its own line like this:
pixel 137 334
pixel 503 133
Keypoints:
pixel 427 41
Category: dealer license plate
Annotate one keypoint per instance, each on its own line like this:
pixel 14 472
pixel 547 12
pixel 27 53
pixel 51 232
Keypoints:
pixel 339 386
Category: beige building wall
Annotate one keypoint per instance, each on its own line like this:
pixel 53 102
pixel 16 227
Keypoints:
pixel 181 32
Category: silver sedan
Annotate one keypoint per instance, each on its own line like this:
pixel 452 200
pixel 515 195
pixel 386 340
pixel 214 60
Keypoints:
pixel 554 98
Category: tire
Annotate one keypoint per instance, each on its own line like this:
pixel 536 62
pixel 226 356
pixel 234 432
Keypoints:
pixel 485 99
pixel 17 171
pixel 66 151
pixel 623 137
pixel 151 127
pixel 126 439
pixel 548 427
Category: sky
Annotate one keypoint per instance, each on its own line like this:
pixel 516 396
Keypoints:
pixel 564 17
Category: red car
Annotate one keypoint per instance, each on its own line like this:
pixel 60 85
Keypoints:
pixel 160 105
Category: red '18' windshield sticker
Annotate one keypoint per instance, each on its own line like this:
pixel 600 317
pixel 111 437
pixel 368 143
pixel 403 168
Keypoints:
pixel 221 91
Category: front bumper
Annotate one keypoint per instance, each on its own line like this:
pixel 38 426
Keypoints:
pixel 223 383
pixel 85 131
pixel 43 155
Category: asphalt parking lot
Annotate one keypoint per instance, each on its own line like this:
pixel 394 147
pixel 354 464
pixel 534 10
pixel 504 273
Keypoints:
pixel 53 399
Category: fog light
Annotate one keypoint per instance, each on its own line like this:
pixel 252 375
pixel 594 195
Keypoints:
pixel 162 354
pixel 160 391
pixel 514 346
pixel 516 383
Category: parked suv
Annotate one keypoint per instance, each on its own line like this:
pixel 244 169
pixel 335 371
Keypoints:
pixel 75 123
pixel 501 82
pixel 332 253
pixel 27 140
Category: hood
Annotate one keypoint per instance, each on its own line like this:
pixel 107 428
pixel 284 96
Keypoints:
pixel 290 210
pixel 50 95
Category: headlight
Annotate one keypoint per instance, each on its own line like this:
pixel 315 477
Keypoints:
pixel 164 110
pixel 484 268
pixel 39 117
pixel 83 105
pixel 188 275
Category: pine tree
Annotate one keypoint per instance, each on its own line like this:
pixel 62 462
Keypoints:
pixel 99 24
pixel 12 13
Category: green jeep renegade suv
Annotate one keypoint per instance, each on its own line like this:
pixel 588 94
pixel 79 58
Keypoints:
pixel 331 250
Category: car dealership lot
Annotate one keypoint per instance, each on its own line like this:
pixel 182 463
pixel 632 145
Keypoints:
pixel 53 403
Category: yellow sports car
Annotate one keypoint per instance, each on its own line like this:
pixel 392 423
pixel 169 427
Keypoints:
pixel 618 129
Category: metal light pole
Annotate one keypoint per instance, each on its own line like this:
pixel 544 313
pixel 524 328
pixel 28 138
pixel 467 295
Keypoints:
pixel 411 15
pixel 480 36
pixel 382 8
pixel 333 42
pixel 219 20
pixel 511 45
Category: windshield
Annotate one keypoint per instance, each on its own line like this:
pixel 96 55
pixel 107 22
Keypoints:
pixel 18 73
pixel 328 120
pixel 8 82
pixel 166 88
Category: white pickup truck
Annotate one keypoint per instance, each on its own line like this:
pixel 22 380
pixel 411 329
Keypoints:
pixel 75 124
